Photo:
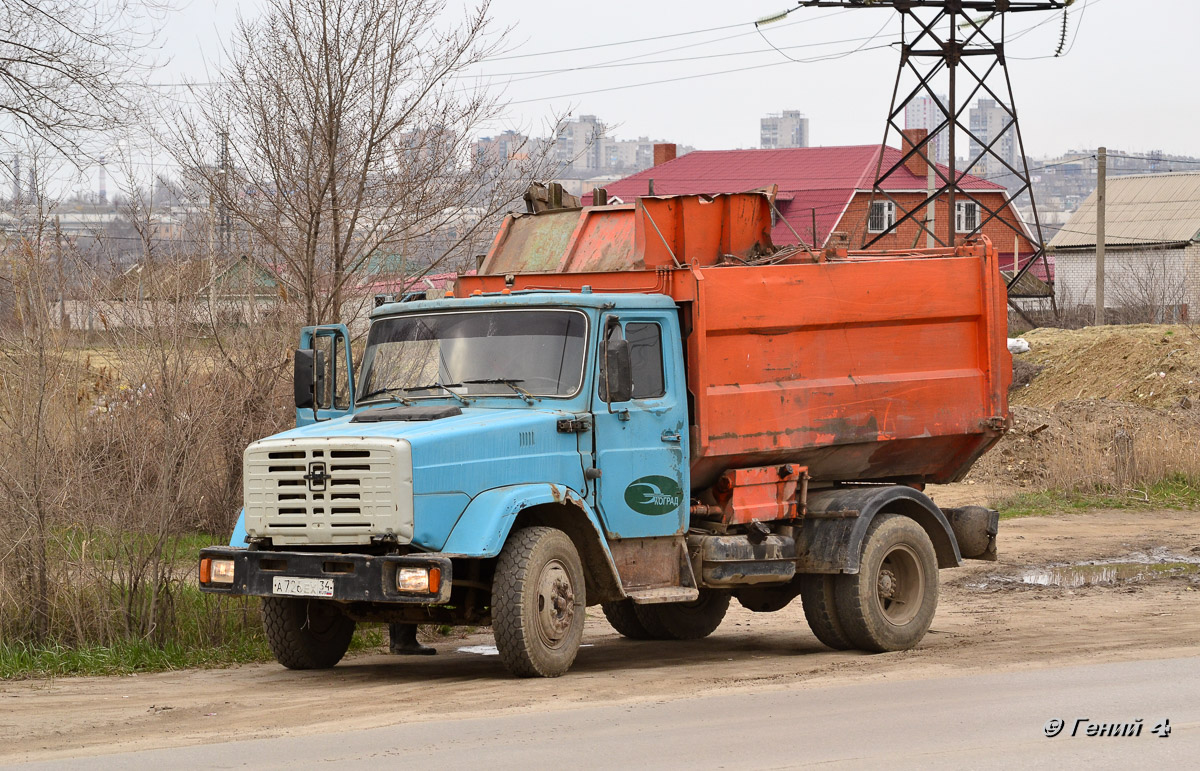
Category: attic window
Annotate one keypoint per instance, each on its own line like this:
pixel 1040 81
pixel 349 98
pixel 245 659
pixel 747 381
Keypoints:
pixel 966 216
pixel 883 216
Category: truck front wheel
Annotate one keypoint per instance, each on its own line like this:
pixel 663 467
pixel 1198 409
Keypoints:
pixel 889 604
pixel 306 634
pixel 538 603
pixel 686 620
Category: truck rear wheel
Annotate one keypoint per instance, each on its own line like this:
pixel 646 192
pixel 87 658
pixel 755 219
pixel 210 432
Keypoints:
pixel 623 617
pixel 816 597
pixel 889 604
pixel 538 603
pixel 650 619
pixel 304 633
pixel 687 620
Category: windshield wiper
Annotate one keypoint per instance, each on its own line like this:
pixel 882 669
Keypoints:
pixel 381 391
pixel 510 382
pixel 444 386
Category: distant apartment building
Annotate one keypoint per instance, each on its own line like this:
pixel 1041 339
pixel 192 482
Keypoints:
pixel 577 147
pixel 587 156
pixel 784 129
pixel 925 113
pixel 427 144
pixel 988 120
pixel 510 145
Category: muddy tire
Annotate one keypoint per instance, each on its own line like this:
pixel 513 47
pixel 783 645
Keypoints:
pixel 304 633
pixel 816 597
pixel 624 618
pixel 650 619
pixel 687 620
pixel 538 603
pixel 889 604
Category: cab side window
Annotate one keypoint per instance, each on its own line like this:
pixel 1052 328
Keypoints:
pixel 645 351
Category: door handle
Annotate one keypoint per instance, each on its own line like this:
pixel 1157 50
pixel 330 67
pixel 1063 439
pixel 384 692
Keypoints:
pixel 668 437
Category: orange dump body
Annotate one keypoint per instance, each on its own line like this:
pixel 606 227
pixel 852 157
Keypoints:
pixel 861 366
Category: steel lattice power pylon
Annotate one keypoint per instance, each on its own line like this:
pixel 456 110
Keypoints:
pixel 958 40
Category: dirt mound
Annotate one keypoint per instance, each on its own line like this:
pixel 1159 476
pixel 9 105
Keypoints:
pixel 1086 442
pixel 1144 364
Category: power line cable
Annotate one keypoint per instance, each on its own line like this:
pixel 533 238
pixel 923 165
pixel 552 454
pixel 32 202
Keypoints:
pixel 1151 158
pixel 878 32
pixel 633 60
pixel 202 84
pixel 616 43
pixel 646 83
pixel 630 61
pixel 668 36
pixel 626 63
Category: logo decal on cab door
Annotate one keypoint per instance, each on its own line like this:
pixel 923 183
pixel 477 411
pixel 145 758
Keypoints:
pixel 654 495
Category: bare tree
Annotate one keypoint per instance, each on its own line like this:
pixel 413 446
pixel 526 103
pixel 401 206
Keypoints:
pixel 67 68
pixel 38 377
pixel 340 135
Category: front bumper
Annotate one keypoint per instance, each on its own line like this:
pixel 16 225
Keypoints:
pixel 356 577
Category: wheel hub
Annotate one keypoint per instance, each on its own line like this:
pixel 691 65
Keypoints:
pixel 556 603
pixel 899 586
pixel 887 584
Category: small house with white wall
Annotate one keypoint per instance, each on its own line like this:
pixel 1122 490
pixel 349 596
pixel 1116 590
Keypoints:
pixel 1152 250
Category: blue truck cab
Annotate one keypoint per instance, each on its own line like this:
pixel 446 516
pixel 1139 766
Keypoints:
pixel 398 496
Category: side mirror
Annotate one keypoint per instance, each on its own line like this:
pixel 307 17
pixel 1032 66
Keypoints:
pixel 616 375
pixel 308 378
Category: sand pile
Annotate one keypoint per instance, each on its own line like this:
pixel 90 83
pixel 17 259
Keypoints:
pixel 1150 365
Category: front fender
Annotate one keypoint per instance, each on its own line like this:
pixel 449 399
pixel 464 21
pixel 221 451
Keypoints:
pixel 238 539
pixel 485 524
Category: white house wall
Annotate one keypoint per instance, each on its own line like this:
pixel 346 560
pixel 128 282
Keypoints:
pixel 1159 277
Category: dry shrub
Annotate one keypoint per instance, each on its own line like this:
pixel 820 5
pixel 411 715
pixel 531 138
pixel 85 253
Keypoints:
pixel 119 466
pixel 1023 373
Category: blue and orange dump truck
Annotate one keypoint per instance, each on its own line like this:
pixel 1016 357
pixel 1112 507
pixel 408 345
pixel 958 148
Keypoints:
pixel 646 407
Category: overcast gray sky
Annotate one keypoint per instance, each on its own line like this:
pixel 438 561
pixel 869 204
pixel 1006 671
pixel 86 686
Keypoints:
pixel 1129 81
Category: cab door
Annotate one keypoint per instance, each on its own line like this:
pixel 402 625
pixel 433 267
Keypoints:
pixel 334 369
pixel 641 444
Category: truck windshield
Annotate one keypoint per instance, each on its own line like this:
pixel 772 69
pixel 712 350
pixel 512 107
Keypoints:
pixel 474 353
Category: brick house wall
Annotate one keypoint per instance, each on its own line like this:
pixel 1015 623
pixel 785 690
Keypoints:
pixel 1165 281
pixel 854 222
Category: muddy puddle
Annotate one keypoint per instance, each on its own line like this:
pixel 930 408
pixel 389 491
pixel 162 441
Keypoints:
pixel 1135 568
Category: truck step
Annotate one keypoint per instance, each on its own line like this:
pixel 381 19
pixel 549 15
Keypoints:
pixel 664 594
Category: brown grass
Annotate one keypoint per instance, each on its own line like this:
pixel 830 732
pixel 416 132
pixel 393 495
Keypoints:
pixel 1093 444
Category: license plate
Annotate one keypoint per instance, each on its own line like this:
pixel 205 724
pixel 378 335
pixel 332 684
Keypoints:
pixel 302 587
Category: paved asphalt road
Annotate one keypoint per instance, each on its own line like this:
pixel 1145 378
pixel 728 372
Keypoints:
pixel 969 722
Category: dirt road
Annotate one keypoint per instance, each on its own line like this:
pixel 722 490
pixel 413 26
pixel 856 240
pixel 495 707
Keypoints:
pixel 991 721
pixel 994 617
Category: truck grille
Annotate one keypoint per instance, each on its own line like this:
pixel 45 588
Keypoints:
pixel 328 491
